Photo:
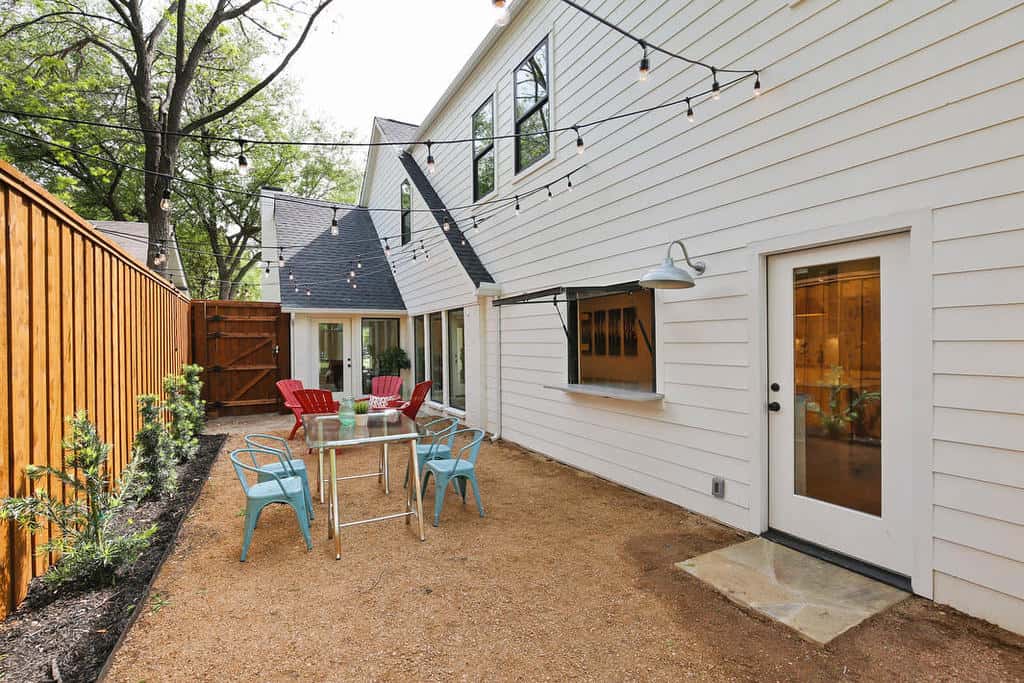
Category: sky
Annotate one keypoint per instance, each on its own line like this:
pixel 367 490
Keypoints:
pixel 391 58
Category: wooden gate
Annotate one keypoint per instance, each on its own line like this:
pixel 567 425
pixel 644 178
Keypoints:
pixel 245 348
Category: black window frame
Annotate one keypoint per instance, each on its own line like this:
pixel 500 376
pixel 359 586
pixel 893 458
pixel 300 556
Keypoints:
pixel 573 324
pixel 419 348
pixel 536 107
pixel 406 224
pixel 489 147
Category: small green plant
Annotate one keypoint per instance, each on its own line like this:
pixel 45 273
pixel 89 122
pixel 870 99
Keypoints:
pixel 91 550
pixel 362 407
pixel 151 473
pixel 837 418
pixel 157 602
pixel 194 396
pixel 393 360
pixel 181 428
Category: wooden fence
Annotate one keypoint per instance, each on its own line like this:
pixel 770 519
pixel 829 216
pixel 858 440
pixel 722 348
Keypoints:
pixel 86 327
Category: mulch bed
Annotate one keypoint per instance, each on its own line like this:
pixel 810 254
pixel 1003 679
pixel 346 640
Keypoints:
pixel 69 635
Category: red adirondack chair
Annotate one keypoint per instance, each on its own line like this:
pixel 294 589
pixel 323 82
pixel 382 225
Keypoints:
pixel 316 401
pixel 384 385
pixel 411 408
pixel 288 387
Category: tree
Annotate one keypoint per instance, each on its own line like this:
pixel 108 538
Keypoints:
pixel 161 73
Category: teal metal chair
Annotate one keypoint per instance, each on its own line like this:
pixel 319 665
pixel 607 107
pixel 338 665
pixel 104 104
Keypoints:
pixel 278 489
pixel 287 465
pixel 459 471
pixel 441 433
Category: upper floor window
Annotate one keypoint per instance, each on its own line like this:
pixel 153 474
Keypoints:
pixel 532 108
pixel 483 149
pixel 406 212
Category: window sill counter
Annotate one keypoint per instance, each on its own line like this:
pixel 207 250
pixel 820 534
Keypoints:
pixel 607 392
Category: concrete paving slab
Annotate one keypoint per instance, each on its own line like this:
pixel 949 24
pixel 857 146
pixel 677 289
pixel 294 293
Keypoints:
pixel 816 599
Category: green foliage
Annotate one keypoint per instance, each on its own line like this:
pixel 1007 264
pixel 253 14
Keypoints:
pixel 194 395
pixel 393 360
pixel 151 473
pixel 362 407
pixel 181 428
pixel 91 550
pixel 836 418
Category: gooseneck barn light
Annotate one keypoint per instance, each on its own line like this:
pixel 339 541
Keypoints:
pixel 670 276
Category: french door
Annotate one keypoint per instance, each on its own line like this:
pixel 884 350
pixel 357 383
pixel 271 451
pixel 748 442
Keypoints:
pixel 839 376
pixel 333 368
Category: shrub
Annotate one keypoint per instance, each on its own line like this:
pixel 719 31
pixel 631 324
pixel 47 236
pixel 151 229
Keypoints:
pixel 183 435
pixel 151 473
pixel 91 550
pixel 393 360
pixel 193 396
pixel 362 407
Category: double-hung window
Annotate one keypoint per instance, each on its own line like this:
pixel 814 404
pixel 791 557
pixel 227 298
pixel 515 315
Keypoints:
pixel 406 212
pixel 483 149
pixel 532 109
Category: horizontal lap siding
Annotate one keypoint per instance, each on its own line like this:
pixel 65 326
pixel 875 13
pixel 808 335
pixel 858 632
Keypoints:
pixel 979 411
pixel 68 343
pixel 870 109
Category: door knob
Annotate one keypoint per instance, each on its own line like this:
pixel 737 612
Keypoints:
pixel 774 406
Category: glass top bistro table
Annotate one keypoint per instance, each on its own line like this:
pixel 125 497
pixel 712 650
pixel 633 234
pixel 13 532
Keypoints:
pixel 325 433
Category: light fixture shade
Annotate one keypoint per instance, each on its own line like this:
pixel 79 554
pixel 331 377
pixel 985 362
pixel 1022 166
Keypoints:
pixel 667 276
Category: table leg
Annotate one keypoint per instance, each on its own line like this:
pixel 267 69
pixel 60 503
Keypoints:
pixel 320 474
pixel 334 503
pixel 408 489
pixel 415 483
pixel 387 478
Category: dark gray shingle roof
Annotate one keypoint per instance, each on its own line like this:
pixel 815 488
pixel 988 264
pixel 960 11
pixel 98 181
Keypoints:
pixel 465 252
pixel 396 131
pixel 323 261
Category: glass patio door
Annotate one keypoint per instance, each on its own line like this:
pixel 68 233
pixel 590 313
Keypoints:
pixel 839 398
pixel 334 357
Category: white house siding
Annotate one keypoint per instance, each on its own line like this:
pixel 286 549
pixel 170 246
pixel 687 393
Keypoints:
pixel 870 109
pixel 979 407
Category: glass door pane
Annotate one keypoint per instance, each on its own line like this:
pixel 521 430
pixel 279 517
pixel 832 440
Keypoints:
pixel 837 364
pixel 436 359
pixel 419 349
pixel 379 335
pixel 457 359
pixel 332 356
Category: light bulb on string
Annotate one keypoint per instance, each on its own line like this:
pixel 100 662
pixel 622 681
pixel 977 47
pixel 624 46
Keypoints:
pixel 291 276
pixel 476 228
pixel 757 84
pixel 387 248
pixel 334 223
pixel 165 199
pixel 243 163
pixel 296 289
pixel 445 226
pixel 359 264
pixel 309 292
pixel 354 285
pixel 549 192
pixel 580 147
pixel 463 241
pixel 517 205
pixel 500 12
pixel 645 63
pixel 280 258
pixel 716 89
pixel 266 271
pixel 568 186
pixel 431 166
pixel 689 112
pixel 351 273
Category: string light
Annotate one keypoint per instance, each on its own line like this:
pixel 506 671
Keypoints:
pixel 243 163
pixel 431 166
pixel 476 228
pixel 569 186
pixel 280 257
pixel 445 226
pixel 716 89
pixel 500 12
pixel 549 193
pixel 291 277
pixel 334 223
pixel 266 272
pixel 309 292
pixel 165 200
pixel 580 147
pixel 463 241
pixel 359 264
pixel 757 84
pixel 351 273
pixel 645 63
pixel 517 205
pixel 689 112
pixel 296 289
pixel 387 247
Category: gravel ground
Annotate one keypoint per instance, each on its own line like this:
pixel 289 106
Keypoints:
pixel 568 577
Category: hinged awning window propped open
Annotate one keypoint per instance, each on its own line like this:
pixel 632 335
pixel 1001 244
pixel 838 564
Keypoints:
pixel 568 294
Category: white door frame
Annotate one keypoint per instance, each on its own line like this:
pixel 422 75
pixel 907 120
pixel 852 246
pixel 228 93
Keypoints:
pixel 353 369
pixel 919 224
